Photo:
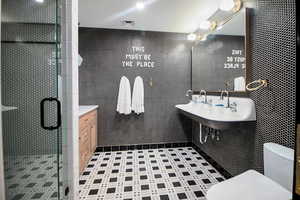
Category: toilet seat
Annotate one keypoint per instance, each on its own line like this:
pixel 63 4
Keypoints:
pixel 249 185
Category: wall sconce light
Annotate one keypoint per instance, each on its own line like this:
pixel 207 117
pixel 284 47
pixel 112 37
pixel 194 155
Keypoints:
pixel 208 25
pixel 205 25
pixel 213 25
pixel 219 27
pixel 230 5
pixel 202 37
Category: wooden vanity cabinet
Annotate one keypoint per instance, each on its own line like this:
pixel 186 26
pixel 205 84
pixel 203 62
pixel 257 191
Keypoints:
pixel 87 137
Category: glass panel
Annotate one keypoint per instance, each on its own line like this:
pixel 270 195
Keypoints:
pixel 30 73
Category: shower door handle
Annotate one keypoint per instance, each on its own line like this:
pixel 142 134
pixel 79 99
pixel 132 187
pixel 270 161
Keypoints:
pixel 58 124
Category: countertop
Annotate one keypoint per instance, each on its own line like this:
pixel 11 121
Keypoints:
pixel 86 108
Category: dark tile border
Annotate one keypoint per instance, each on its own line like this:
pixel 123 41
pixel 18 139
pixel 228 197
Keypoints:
pixel 142 146
pixel 211 161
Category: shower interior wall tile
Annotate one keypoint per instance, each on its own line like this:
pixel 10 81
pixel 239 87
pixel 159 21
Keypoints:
pixel 273 44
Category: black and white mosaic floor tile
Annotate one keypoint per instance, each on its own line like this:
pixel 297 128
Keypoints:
pixel 155 174
pixel 31 177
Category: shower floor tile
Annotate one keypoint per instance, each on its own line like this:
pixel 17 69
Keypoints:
pixel 154 174
pixel 31 177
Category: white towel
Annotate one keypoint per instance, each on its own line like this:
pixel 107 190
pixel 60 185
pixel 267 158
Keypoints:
pixel 138 96
pixel 124 97
pixel 239 84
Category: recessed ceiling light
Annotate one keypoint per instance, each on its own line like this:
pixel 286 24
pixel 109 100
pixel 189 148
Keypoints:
pixel 205 25
pixel 39 1
pixel 191 37
pixel 140 5
pixel 227 5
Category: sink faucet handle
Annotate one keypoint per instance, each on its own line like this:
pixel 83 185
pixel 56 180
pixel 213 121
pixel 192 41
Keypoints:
pixel 233 107
pixel 203 92
pixel 189 93
pixel 233 104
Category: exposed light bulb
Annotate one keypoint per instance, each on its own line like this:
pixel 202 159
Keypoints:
pixel 204 38
pixel 39 1
pixel 205 25
pixel 140 5
pixel 220 27
pixel 191 37
pixel 227 5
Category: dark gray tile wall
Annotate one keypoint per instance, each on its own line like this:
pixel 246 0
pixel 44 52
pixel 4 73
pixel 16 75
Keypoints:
pixel 273 44
pixel 274 58
pixel 235 150
pixel 99 76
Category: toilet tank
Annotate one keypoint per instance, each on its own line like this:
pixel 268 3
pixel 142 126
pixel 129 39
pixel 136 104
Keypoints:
pixel 279 164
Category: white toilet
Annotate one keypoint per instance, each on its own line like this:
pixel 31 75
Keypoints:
pixel 251 185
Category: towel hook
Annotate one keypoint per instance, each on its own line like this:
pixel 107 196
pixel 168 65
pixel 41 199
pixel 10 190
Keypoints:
pixel 151 82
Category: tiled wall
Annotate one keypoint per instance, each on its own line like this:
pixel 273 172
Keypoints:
pixel 274 58
pixel 273 44
pixel 103 51
pixel 235 150
pixel 29 74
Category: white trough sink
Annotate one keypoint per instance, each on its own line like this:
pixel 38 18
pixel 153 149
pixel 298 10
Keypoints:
pixel 216 109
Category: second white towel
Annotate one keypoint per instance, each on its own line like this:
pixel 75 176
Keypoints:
pixel 137 105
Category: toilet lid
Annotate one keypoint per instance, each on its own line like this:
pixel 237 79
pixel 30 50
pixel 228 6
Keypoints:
pixel 250 185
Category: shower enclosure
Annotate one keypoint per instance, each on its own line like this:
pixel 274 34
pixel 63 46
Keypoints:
pixel 31 96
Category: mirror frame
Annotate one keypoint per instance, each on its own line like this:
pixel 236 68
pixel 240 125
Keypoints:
pixel 247 43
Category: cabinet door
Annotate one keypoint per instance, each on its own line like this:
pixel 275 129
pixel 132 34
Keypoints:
pixel 84 147
pixel 93 137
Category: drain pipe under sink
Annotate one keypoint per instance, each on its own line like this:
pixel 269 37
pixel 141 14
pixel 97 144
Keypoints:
pixel 200 135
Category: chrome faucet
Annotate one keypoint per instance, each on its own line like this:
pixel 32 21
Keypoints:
pixel 222 97
pixel 205 96
pixel 189 94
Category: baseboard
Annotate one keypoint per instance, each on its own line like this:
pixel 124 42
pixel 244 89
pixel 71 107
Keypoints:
pixel 211 161
pixel 142 146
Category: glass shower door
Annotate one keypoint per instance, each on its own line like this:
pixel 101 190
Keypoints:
pixel 31 94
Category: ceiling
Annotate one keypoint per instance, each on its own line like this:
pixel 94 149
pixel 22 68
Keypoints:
pixel 235 26
pixel 182 16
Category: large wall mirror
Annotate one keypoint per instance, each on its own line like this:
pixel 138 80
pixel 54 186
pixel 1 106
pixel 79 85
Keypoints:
pixel 219 60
